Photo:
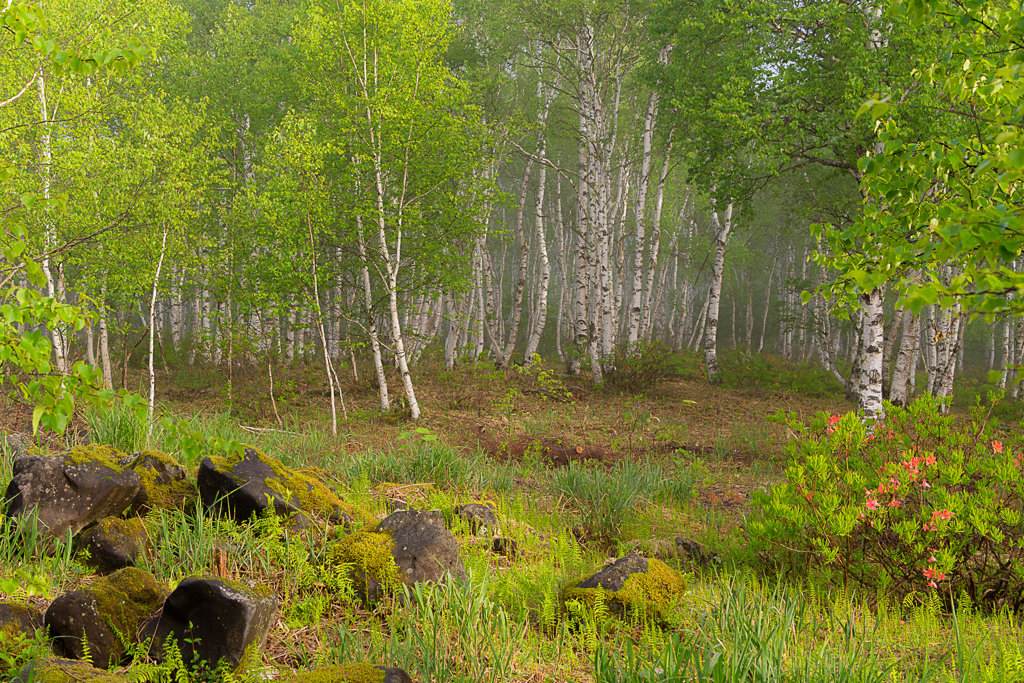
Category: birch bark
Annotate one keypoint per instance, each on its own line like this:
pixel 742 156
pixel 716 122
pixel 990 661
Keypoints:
pixel 723 225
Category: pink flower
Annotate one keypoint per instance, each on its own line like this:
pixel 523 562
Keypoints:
pixel 872 504
pixel 997 446
pixel 930 460
pixel 924 484
pixel 941 514
pixel 894 503
pixel 932 559
pixel 932 584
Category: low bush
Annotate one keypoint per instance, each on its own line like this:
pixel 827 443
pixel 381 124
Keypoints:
pixel 927 501
pixel 744 370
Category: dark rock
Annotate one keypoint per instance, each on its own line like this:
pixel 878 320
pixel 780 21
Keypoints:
pixel 55 670
pixel 246 486
pixel 71 490
pixel 352 673
pixel 165 482
pixel 695 552
pixel 612 577
pixel 481 518
pixel 113 543
pixel 424 550
pixel 20 617
pixel 109 606
pixel 507 547
pixel 213 620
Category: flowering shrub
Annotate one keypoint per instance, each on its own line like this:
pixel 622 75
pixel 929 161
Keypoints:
pixel 927 501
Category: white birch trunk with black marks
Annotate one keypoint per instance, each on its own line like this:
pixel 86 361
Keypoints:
pixel 722 225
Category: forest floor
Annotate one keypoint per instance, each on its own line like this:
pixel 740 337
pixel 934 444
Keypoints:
pixel 510 436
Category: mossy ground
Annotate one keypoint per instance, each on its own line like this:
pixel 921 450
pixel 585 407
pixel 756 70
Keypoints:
pixel 359 672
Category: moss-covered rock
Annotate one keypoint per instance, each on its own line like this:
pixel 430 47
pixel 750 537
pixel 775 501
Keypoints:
pixel 245 485
pixel 105 613
pixel 113 543
pixel 70 491
pixel 65 671
pixel 20 617
pixel 359 672
pixel 632 585
pixel 369 553
pixel 165 482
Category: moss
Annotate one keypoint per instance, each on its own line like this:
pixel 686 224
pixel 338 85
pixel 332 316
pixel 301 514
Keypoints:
pixel 369 553
pixel 97 454
pixel 124 530
pixel 299 488
pixel 67 671
pixel 127 597
pixel 259 590
pixel 359 672
pixel 652 593
pixel 161 492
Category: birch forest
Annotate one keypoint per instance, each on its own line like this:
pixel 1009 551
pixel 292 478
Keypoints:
pixel 382 188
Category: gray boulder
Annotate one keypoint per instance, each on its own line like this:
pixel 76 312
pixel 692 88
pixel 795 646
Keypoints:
pixel 353 673
pixel 71 490
pixel 423 549
pixel 244 486
pixel 481 518
pixel 614 576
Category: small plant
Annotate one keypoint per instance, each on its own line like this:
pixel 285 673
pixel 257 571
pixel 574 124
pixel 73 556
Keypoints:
pixel 118 425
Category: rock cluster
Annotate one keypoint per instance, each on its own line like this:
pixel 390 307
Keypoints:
pixel 96 494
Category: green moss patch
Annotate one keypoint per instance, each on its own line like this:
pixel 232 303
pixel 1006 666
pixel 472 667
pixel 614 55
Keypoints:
pixel 97 454
pixel 127 597
pixel 359 672
pixel 654 593
pixel 369 554
pixel 70 671
pixel 160 490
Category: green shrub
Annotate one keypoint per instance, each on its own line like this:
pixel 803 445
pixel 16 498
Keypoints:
pixel 927 501
pixel 745 370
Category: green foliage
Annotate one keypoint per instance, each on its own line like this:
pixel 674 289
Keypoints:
pixel 768 372
pixel 925 502
pixel 119 426
pixel 18 649
pixel 639 367
pixel 948 225
pixel 604 500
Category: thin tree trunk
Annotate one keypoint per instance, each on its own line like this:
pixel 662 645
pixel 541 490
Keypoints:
pixel 722 225
pixel 152 333
pixel 899 391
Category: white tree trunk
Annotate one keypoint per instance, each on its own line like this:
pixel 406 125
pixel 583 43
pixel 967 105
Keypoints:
pixel 722 225
pixel 371 321
pixel 152 334
pixel 872 343
pixel 104 339
pixel 899 391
